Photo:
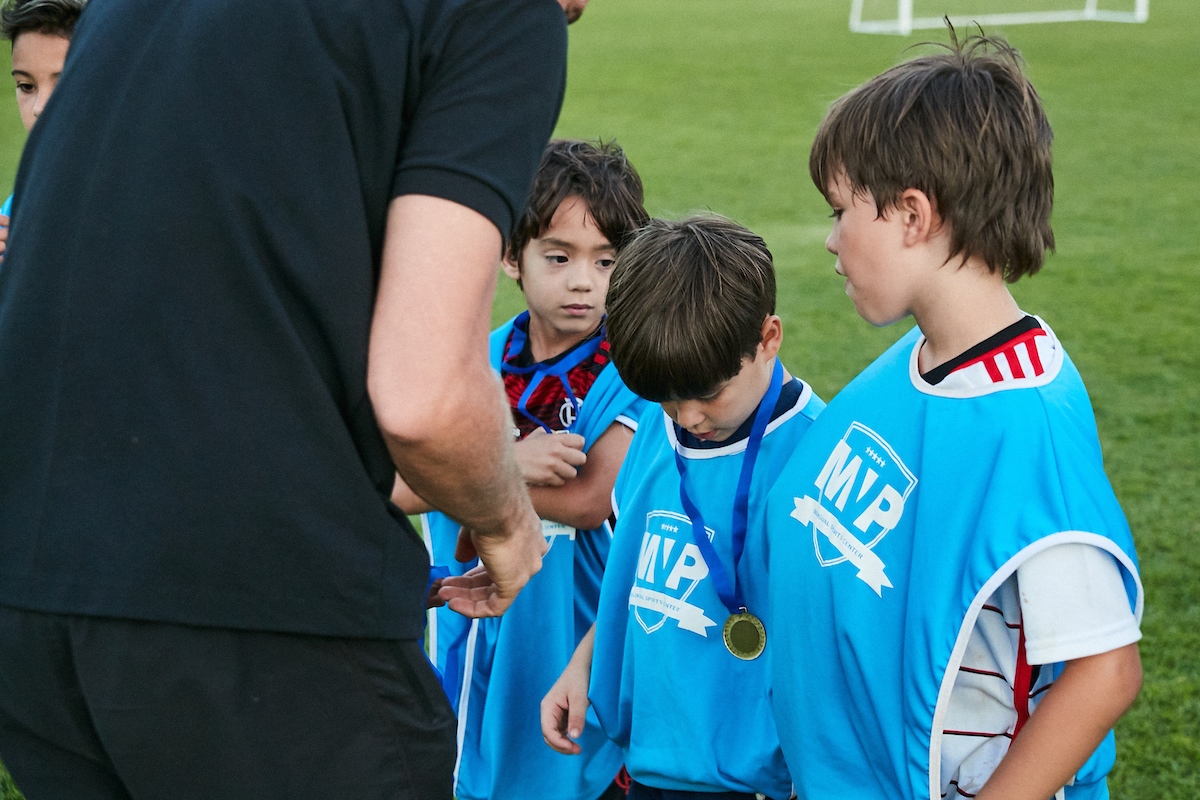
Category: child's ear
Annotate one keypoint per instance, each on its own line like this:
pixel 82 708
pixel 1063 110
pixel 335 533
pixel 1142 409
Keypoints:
pixel 511 267
pixel 772 336
pixel 919 217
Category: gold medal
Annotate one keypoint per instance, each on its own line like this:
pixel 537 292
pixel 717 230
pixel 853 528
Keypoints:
pixel 745 637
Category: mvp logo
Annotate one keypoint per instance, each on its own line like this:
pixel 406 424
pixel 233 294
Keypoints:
pixel 860 497
pixel 670 567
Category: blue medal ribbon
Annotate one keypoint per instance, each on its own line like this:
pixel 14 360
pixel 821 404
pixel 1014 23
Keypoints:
pixel 725 583
pixel 584 350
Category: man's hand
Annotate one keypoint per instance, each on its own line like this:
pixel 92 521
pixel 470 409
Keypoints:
pixel 507 564
pixel 574 9
pixel 549 459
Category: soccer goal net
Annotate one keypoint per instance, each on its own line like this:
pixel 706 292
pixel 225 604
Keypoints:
pixel 905 16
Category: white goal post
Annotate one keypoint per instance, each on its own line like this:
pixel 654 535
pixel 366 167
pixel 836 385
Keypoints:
pixel 905 23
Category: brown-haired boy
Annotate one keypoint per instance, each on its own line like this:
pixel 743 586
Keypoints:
pixel 40 32
pixel 954 589
pixel 573 419
pixel 677 669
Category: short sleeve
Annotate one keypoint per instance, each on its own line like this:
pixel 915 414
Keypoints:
pixel 1073 604
pixel 491 85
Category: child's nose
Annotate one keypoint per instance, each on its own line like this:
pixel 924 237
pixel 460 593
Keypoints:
pixel 831 242
pixel 580 277
pixel 689 415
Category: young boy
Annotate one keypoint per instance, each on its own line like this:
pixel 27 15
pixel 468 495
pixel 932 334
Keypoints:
pixel 679 676
pixel 954 590
pixel 40 32
pixel 573 420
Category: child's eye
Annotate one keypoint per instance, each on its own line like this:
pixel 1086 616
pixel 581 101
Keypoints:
pixel 836 213
pixel 605 263
pixel 25 88
pixel 557 259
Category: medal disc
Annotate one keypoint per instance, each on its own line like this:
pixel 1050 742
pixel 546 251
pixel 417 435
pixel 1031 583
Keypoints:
pixel 745 637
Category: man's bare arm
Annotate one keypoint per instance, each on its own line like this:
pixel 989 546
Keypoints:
pixel 438 403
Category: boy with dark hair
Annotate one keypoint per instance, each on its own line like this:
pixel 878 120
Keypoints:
pixel 40 32
pixel 677 666
pixel 573 419
pixel 953 584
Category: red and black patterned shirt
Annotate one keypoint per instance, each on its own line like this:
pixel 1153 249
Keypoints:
pixel 549 401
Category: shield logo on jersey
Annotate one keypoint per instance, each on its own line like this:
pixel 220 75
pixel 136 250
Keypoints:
pixel 670 567
pixel 860 497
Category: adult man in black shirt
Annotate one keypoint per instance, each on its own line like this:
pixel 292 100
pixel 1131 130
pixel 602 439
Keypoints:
pixel 251 272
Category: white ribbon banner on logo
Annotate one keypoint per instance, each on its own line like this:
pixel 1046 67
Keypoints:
pixel 870 567
pixel 690 617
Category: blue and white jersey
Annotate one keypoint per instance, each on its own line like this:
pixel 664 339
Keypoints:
pixel 689 715
pixel 905 508
pixel 497 670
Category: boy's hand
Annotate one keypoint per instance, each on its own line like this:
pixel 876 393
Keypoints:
pixel 508 563
pixel 549 459
pixel 564 708
pixel 3 235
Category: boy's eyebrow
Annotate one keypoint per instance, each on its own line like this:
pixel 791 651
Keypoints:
pixel 569 246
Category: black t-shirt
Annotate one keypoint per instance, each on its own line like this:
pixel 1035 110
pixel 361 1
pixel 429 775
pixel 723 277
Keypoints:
pixel 185 431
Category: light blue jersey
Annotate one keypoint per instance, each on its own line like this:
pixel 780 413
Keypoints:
pixel 497 670
pixel 904 510
pixel 689 715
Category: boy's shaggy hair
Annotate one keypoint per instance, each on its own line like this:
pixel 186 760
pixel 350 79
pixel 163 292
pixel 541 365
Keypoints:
pixel 686 303
pixel 599 174
pixel 965 127
pixel 53 17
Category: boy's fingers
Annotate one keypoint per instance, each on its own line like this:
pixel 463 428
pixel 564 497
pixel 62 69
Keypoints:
pixel 572 440
pixel 576 717
pixel 555 725
pixel 572 456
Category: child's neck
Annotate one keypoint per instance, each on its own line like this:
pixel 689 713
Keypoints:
pixel 970 305
pixel 546 344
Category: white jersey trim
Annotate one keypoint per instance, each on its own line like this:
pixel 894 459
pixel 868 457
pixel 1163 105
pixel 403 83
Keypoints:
pixel 1050 351
pixel 431 627
pixel 968 625
pixel 464 697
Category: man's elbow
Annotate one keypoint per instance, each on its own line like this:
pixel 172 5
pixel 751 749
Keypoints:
pixel 406 417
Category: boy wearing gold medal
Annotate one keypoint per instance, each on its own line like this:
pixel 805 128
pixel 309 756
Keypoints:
pixel 676 667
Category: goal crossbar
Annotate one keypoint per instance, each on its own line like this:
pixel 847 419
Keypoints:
pixel 906 23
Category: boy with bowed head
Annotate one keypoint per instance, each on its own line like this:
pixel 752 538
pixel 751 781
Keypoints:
pixel 573 419
pixel 677 667
pixel 954 585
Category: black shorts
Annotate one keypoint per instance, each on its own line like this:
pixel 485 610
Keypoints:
pixel 107 708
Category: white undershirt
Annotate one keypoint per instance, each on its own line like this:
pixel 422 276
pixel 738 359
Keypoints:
pixel 1073 603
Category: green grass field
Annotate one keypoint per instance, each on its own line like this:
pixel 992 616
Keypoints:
pixel 716 102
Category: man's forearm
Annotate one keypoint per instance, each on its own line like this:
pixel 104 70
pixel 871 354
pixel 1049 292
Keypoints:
pixel 464 466
pixel 436 398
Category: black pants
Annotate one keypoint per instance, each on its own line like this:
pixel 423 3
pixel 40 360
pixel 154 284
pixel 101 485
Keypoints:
pixel 104 708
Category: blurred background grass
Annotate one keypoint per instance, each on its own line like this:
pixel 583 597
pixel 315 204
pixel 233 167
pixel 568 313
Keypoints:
pixel 716 102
